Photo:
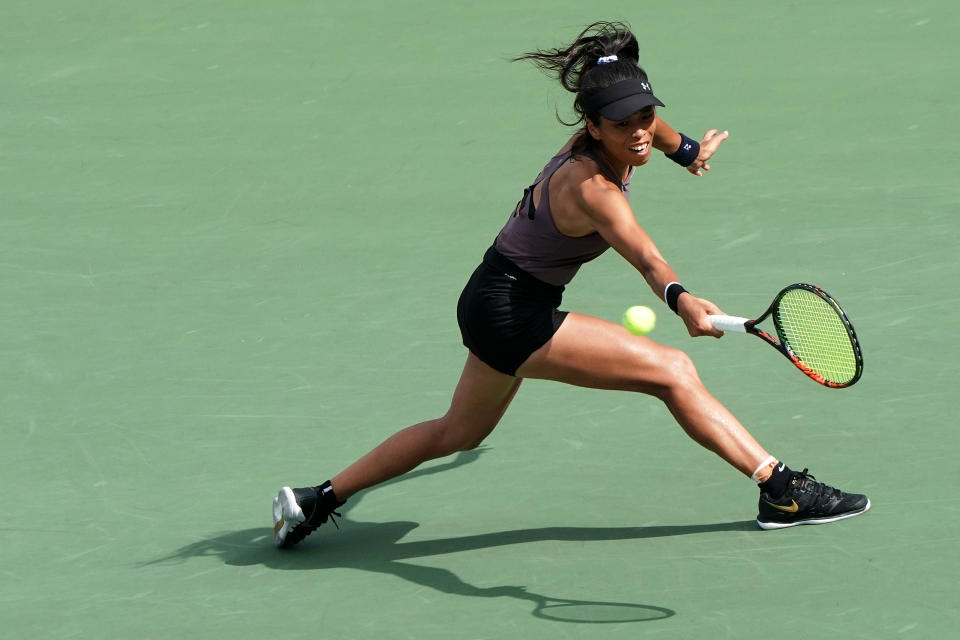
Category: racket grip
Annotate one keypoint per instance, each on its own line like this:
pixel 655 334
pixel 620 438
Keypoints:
pixel 729 323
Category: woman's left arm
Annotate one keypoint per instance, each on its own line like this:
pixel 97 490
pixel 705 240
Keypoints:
pixel 668 140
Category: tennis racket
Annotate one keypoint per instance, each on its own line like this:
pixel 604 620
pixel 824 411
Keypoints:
pixel 813 332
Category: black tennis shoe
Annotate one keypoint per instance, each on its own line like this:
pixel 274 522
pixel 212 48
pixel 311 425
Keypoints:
pixel 807 501
pixel 298 512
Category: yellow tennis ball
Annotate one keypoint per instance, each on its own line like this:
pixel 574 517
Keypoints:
pixel 639 320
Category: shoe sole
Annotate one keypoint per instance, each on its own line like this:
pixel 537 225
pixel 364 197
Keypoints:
pixel 286 515
pixel 770 526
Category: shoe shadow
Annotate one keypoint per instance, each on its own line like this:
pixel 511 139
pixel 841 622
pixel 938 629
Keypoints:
pixel 377 547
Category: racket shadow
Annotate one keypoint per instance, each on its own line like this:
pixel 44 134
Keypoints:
pixel 376 547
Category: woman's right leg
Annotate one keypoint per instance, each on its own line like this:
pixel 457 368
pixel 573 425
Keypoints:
pixel 479 401
pixel 590 352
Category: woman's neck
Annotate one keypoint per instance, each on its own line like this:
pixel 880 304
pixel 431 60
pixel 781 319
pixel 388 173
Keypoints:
pixel 582 143
pixel 620 171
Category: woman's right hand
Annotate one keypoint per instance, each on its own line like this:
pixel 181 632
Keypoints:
pixel 694 312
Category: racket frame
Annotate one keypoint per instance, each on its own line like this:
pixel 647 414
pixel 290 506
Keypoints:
pixel 731 323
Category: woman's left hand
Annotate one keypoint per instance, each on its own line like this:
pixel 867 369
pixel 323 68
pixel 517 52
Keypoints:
pixel 708 146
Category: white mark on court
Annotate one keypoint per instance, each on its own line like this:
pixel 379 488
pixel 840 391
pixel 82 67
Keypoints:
pixel 202 573
pixel 909 627
pixel 64 72
pixel 741 240
pixel 77 556
pixel 120 432
pixel 920 23
pixel 900 320
pixel 37 367
pixel 910 397
pixel 945 302
pixel 893 264
pixel 57 274
pixel 93 463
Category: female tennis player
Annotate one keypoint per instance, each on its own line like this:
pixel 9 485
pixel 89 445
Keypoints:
pixel 508 313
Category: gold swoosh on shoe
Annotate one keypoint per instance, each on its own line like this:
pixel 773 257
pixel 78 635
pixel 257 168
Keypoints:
pixel 791 508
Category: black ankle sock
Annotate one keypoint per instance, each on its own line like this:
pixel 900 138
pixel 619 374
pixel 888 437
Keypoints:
pixel 327 495
pixel 776 484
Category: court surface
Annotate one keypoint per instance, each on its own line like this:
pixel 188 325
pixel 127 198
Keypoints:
pixel 232 237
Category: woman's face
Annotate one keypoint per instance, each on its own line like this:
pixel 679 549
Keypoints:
pixel 626 142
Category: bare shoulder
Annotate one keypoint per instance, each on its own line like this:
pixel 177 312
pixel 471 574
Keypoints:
pixel 581 196
pixel 588 183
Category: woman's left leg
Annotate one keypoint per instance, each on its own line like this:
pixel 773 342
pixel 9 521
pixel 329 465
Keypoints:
pixel 479 401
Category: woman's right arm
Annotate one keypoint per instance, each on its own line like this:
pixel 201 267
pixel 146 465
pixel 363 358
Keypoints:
pixel 611 216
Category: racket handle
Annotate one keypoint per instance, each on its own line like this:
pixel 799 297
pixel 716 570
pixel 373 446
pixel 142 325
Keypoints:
pixel 729 323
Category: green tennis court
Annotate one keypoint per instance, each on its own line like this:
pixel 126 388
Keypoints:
pixel 233 235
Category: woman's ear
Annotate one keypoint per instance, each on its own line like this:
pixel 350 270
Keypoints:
pixel 593 129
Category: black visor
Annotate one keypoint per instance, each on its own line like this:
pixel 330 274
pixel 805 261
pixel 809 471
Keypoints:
pixel 619 101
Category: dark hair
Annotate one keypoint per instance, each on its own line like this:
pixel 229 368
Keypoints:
pixel 575 65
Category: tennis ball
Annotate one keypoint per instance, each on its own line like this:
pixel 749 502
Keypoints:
pixel 639 320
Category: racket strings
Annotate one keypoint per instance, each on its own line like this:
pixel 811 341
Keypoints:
pixel 816 334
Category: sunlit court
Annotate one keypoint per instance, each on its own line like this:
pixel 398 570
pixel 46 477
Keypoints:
pixel 233 239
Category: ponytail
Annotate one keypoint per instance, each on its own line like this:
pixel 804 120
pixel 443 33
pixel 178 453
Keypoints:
pixel 603 54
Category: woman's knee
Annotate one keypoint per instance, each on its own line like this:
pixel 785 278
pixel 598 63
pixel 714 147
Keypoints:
pixel 472 444
pixel 460 435
pixel 677 373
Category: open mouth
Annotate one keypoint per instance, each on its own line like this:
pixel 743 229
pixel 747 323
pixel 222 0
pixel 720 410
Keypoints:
pixel 640 148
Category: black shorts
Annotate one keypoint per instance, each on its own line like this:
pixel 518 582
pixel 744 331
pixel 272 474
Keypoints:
pixel 505 314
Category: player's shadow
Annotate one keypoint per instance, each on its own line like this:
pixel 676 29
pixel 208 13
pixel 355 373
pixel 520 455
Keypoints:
pixel 376 547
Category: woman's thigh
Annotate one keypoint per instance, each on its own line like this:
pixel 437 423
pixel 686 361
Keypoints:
pixel 479 401
pixel 590 352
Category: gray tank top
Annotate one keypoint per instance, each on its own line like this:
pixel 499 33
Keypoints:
pixel 532 242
